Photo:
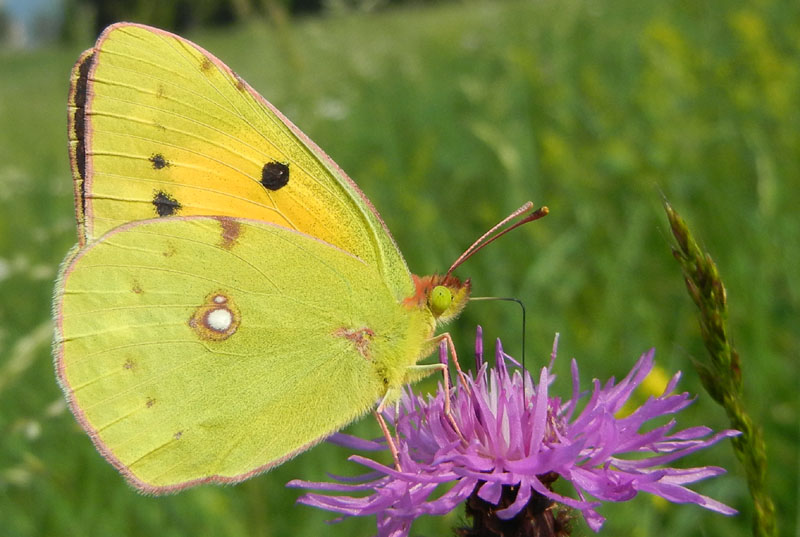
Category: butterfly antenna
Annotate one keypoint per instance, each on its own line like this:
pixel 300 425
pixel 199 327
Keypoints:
pixel 522 306
pixel 523 215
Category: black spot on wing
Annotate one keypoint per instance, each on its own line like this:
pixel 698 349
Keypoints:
pixel 275 175
pixel 158 161
pixel 165 204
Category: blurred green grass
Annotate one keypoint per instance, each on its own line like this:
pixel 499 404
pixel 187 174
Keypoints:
pixel 449 118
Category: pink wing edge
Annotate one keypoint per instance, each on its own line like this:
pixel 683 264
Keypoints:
pixel 58 350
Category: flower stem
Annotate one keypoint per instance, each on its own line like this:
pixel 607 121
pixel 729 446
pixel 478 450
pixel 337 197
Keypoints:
pixel 721 375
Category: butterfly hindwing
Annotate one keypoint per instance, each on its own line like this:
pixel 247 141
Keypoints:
pixel 199 349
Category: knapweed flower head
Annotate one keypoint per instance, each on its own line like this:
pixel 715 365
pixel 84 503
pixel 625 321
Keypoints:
pixel 513 440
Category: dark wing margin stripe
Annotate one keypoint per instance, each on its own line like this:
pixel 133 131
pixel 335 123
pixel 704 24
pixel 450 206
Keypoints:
pixel 76 123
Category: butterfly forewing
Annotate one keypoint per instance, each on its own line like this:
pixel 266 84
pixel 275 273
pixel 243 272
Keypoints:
pixel 161 128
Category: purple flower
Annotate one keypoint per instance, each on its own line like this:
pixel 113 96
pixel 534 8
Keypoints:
pixel 513 441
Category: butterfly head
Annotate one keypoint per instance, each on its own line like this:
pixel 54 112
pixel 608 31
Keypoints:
pixel 443 296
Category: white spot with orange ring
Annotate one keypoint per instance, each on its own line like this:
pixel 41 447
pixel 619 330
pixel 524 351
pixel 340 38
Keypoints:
pixel 217 319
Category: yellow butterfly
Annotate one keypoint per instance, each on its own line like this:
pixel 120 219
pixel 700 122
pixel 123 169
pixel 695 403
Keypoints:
pixel 234 298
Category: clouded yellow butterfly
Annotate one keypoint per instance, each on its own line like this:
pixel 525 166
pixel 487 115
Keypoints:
pixel 234 298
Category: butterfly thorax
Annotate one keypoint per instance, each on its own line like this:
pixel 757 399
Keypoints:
pixel 444 296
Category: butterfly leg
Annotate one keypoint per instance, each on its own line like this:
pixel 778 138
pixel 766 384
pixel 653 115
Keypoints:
pixel 392 396
pixel 446 337
pixel 414 373
pixel 419 371
pixel 389 439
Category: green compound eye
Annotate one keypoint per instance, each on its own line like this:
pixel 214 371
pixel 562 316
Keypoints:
pixel 440 299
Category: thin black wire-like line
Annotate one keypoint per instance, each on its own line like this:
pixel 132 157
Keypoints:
pixel 521 305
